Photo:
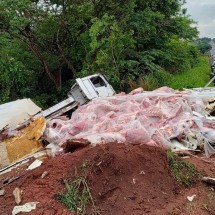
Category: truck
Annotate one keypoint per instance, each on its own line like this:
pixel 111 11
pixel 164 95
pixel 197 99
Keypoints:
pixel 84 90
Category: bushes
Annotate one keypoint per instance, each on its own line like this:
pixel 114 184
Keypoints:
pixel 179 55
pixel 130 41
pixel 198 76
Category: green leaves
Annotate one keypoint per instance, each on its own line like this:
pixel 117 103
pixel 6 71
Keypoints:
pixel 178 55
pixel 128 40
pixel 16 81
pixel 204 44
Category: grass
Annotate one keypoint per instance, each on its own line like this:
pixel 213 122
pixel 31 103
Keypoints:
pixel 198 76
pixel 183 171
pixel 78 196
pixel 205 207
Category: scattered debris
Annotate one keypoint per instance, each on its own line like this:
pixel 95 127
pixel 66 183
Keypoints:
pixel 209 180
pixel 17 112
pixel 9 181
pixel 18 195
pixel 2 192
pixel 25 143
pixel 190 198
pixel 28 207
pixel 109 173
pixel 17 170
pixel 184 153
pixel 142 173
pixel 52 149
pixel 44 174
pixel 35 164
pixel 163 117
pixel 73 144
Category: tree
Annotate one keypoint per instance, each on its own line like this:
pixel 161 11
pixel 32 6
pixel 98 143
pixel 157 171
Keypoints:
pixel 204 44
pixel 129 40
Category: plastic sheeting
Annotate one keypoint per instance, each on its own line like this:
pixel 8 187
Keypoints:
pixel 16 112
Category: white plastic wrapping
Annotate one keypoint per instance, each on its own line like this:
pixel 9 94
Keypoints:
pixel 153 118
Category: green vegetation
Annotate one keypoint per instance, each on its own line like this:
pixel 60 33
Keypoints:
pixel 209 202
pixel 204 44
pixel 78 195
pixel 184 172
pixel 196 77
pixel 45 45
pixel 205 207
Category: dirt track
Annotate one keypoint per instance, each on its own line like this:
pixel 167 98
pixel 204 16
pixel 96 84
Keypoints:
pixel 124 180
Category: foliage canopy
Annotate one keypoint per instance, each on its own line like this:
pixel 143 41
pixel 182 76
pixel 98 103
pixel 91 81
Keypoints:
pixel 45 44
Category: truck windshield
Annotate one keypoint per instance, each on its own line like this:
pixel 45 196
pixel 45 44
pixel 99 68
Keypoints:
pixel 98 81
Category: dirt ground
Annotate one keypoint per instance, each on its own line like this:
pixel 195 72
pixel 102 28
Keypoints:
pixel 123 179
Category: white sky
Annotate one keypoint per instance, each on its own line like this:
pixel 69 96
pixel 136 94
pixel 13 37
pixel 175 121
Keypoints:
pixel 203 12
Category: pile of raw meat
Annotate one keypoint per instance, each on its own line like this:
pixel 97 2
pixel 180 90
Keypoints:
pixel 163 117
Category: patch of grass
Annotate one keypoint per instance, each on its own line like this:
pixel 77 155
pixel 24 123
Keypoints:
pixel 184 172
pixel 189 207
pixel 176 211
pixel 211 195
pixel 198 76
pixel 205 207
pixel 84 165
pixel 78 196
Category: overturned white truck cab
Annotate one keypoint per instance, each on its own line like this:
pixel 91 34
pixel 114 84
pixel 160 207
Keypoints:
pixel 84 90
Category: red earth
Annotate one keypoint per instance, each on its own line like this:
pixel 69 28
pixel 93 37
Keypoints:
pixel 123 179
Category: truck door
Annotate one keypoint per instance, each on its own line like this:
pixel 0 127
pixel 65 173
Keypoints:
pixel 101 86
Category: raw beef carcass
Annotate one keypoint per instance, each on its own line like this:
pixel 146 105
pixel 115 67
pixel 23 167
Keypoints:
pixel 141 117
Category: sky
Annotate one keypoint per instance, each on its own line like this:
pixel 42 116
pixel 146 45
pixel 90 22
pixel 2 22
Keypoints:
pixel 203 12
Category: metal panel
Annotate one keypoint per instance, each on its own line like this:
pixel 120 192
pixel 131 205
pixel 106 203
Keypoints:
pixel 77 94
pixel 57 107
pixel 91 89
pixel 87 88
pixel 63 110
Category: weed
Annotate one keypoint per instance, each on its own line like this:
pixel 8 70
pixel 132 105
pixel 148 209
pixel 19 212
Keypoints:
pixel 198 76
pixel 78 194
pixel 176 211
pixel 205 207
pixel 211 195
pixel 183 171
pixel 189 207
pixel 85 165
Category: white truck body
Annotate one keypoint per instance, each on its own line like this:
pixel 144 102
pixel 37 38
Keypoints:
pixel 84 90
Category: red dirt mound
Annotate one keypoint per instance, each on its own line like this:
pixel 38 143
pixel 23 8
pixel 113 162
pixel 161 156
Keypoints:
pixel 124 179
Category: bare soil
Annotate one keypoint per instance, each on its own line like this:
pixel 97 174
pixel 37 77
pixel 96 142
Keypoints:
pixel 123 179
